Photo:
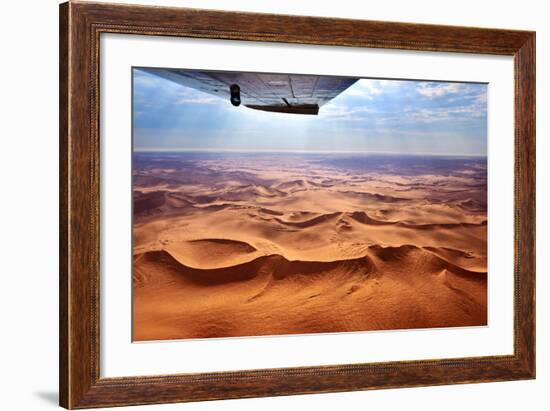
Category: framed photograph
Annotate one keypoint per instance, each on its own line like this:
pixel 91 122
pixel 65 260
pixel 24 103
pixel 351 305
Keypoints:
pixel 258 205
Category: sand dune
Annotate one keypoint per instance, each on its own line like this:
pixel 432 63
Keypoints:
pixel 211 252
pixel 159 202
pixel 311 222
pixel 376 197
pixel 234 246
pixel 364 218
pixel 270 294
pixel 292 185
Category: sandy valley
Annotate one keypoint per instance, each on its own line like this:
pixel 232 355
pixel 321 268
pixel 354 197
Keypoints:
pixel 240 244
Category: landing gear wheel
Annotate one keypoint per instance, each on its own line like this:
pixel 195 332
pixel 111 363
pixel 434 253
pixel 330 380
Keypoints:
pixel 235 91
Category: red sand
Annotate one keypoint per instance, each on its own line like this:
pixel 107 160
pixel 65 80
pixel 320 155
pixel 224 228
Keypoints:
pixel 279 247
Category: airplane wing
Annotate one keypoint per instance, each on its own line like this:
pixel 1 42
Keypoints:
pixel 281 93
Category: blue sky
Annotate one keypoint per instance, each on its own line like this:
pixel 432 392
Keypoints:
pixel 390 116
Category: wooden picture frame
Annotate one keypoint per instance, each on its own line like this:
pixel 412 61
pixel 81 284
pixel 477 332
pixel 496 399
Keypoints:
pixel 80 27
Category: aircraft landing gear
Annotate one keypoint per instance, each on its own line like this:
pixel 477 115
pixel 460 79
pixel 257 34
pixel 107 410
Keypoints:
pixel 235 91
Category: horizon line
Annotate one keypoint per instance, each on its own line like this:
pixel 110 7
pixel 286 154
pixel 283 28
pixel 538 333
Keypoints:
pixel 231 150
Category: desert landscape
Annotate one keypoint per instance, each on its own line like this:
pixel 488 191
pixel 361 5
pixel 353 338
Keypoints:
pixel 234 244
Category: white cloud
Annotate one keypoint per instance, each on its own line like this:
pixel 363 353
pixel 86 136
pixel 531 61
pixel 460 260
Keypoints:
pixel 369 88
pixel 432 90
pixel 144 80
pixel 336 111
pixel 481 99
pixel 432 115
pixel 204 99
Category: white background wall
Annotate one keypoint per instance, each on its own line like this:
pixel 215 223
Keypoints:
pixel 28 204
